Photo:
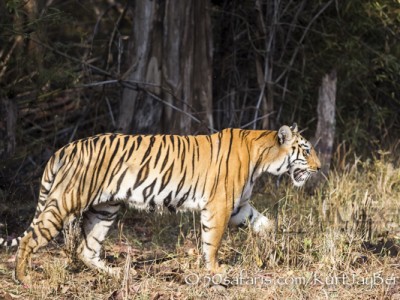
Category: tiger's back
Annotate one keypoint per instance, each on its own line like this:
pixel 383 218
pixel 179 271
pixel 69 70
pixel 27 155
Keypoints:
pixel 149 172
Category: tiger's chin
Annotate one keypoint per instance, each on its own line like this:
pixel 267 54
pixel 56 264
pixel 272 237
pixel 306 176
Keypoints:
pixel 299 176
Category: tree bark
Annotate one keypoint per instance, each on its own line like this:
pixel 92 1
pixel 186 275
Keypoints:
pixel 269 19
pixel 172 51
pixel 138 110
pixel 8 127
pixel 325 133
pixel 36 51
pixel 27 22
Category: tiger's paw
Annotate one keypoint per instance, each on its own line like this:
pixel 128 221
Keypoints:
pixel 116 272
pixel 219 275
pixel 222 269
pixel 263 226
pixel 122 272
pixel 127 273
pixel 23 280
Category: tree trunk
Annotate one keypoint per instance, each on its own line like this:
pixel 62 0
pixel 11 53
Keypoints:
pixel 172 51
pixel 8 127
pixel 325 133
pixel 26 22
pixel 266 29
pixel 36 51
pixel 138 110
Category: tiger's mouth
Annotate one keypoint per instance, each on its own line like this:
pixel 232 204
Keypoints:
pixel 299 176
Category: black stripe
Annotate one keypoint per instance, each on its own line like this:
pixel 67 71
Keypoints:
pixel 179 144
pixel 193 156
pixel 160 149
pixel 183 199
pixel 58 227
pixel 61 153
pixel 219 143
pixel 279 168
pixel 97 167
pixel 142 175
pixel 120 179
pixel 183 155
pixel 206 228
pixel 148 150
pixel 131 149
pixel 180 184
pixel 197 148
pixel 103 213
pixel 139 141
pixel 227 159
pixel 30 230
pixel 264 134
pixel 66 170
pixel 165 160
pixel 128 193
pixel 118 165
pixel 215 184
pixel 236 211
pixel 172 142
pixel 152 205
pixel 251 216
pixel 195 188
pixel 167 203
pixel 166 178
pixel 211 146
pixel 147 191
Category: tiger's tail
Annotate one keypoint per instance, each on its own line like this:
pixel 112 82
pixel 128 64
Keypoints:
pixel 47 181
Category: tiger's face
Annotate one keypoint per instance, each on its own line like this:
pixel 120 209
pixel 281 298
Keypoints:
pixel 302 160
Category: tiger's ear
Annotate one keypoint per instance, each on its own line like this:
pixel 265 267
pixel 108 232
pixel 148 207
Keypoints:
pixel 294 128
pixel 284 134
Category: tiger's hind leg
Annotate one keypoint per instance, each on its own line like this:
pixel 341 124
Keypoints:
pixel 96 223
pixel 43 229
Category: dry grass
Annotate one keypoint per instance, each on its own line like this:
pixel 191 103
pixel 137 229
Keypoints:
pixel 342 242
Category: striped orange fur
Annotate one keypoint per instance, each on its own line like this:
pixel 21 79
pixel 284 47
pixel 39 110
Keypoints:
pixel 213 174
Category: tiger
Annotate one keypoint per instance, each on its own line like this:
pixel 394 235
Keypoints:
pixel 213 174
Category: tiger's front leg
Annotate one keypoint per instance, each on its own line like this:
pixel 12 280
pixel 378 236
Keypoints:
pixel 214 221
pixel 246 214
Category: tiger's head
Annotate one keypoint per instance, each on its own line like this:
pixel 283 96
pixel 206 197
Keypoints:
pixel 300 160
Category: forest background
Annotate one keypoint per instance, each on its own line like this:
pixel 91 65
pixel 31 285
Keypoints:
pixel 71 69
